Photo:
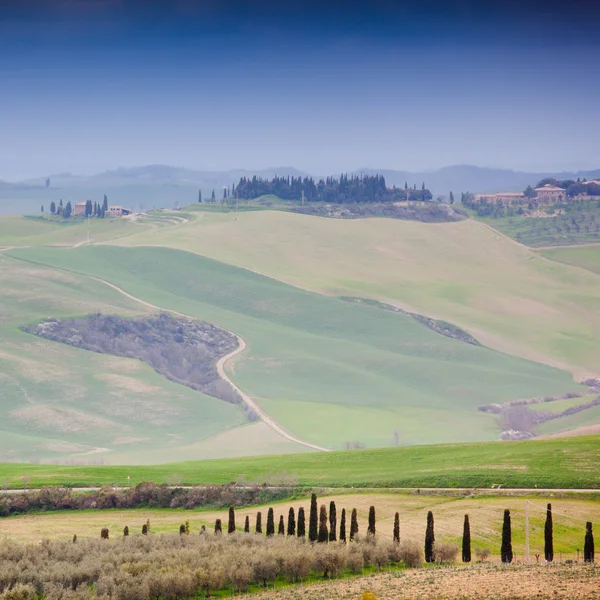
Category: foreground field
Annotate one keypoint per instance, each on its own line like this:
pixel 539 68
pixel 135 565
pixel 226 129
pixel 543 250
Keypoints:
pixel 485 514
pixel 553 463
pixel 476 582
pixel 507 296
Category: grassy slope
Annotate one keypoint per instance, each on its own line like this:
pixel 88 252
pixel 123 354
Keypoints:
pixel 59 401
pixel 586 257
pixel 567 462
pixel 509 297
pixel 485 514
pixel 330 371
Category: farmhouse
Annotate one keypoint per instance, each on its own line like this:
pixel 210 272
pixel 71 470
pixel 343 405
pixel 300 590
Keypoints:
pixel 502 198
pixel 117 211
pixel 79 209
pixel 550 193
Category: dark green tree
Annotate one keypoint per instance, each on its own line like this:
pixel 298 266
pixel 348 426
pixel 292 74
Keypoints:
pixel 343 526
pixel 199 195
pixel 332 522
pixel 506 552
pixel 125 531
pixel 104 533
pixel 397 528
pixel 588 546
pixel 258 528
pixel 529 192
pixel 466 541
pixel 60 203
pixel 313 523
pixel 42 208
pixel 270 523
pixel 104 205
pixel 281 528
pixel 323 533
pixel 231 522
pixel 247 524
pixel 182 529
pixel 291 525
pixel 548 534
pixel 52 207
pixel 88 208
pixel 451 198
pixel 67 210
pixel 218 527
pixel 301 523
pixel 353 524
pixel 371 527
pixel 429 538
pixel 213 197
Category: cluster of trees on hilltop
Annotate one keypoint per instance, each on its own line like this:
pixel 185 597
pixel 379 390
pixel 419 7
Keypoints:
pixel 573 188
pixel 364 189
pixel 92 209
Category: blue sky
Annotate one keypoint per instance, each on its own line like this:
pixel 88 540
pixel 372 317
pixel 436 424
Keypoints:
pixel 87 85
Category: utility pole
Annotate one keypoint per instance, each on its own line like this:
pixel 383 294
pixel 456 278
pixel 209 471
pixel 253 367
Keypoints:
pixel 527 531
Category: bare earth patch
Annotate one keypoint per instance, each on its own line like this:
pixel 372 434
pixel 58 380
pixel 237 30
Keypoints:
pixel 476 582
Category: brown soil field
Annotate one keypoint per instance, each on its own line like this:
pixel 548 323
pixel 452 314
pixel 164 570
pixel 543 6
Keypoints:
pixel 476 582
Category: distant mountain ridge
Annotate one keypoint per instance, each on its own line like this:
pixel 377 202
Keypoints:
pixel 457 178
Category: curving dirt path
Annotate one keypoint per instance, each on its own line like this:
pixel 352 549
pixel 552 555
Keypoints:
pixel 221 370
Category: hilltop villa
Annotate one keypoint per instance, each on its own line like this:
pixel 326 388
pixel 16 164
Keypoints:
pixel 503 198
pixel 550 193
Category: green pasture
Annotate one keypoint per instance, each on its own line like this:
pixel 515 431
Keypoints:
pixel 586 257
pixel 317 351
pixel 552 463
pixel 508 297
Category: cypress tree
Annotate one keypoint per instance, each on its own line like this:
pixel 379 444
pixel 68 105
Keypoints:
pixel 231 523
pixel 343 526
pixel 397 528
pixel 125 531
pixel 218 527
pixel 548 541
pixel 466 541
pixel 588 546
pixel 182 529
pixel 301 523
pixel 247 524
pixel 313 528
pixel 258 528
pixel 353 524
pixel 105 204
pixel 291 528
pixel 429 538
pixel 281 528
pixel 104 533
pixel 371 528
pixel 323 534
pixel 75 539
pixel 270 523
pixel 199 195
pixel 506 552
pixel 332 521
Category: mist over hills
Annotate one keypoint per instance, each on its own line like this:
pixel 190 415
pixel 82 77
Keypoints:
pixel 153 186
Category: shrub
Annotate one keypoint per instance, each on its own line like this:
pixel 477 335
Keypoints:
pixel 410 553
pixel 104 533
pixel 355 561
pixel 218 527
pixel 125 531
pixel 182 529
pixel 265 567
pixel 330 560
pixel 296 564
pixel 20 591
pixel 380 555
pixel 240 574
pixel 446 552
pixel 482 554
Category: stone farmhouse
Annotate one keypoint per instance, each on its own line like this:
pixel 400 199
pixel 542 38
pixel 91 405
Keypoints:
pixel 504 198
pixel 550 194
pixel 117 211
pixel 78 209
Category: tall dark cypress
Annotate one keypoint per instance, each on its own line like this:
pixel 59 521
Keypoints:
pixel 506 552
pixel 291 528
pixel 353 524
pixel 281 528
pixel 588 546
pixel 332 522
pixel 301 523
pixel 429 538
pixel 548 541
pixel 247 524
pixel 231 522
pixel 323 534
pixel 218 527
pixel 397 528
pixel 313 526
pixel 270 522
pixel 466 541
pixel 258 528
pixel 343 526
pixel 371 528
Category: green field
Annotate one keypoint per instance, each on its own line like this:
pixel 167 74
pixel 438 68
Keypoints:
pixel 309 355
pixel 554 463
pixel 508 297
pixel 586 257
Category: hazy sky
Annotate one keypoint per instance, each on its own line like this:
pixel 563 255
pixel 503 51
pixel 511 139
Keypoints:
pixel 325 86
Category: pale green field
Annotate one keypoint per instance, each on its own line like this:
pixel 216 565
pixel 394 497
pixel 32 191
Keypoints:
pixel 507 296
pixel 485 515
pixel 326 369
pixel 586 257
pixel 58 401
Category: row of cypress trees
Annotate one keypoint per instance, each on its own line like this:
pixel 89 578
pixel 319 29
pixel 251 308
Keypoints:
pixel 323 529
